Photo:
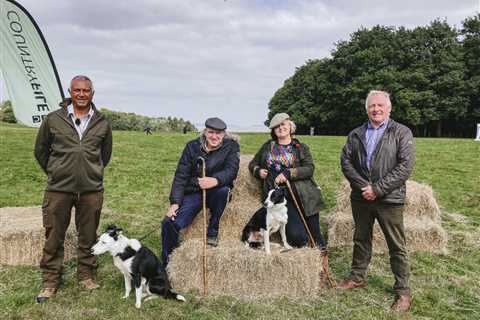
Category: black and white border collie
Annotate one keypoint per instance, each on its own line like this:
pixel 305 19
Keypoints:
pixel 270 218
pixel 137 263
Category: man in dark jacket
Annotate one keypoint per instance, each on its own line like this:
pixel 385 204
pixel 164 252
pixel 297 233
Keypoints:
pixel 222 158
pixel 377 160
pixel 73 146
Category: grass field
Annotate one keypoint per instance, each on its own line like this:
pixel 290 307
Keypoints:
pixel 137 186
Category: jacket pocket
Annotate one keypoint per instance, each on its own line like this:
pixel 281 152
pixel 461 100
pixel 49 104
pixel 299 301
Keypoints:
pixel 46 214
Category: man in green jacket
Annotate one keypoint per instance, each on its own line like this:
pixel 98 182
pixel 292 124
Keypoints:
pixel 377 160
pixel 73 146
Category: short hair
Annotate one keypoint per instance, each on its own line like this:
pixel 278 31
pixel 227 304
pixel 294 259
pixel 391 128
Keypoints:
pixel 293 128
pixel 378 92
pixel 82 78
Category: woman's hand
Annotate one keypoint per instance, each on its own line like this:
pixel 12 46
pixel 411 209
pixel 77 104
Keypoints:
pixel 263 173
pixel 280 179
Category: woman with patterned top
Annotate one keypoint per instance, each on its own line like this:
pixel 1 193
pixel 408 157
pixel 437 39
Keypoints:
pixel 285 158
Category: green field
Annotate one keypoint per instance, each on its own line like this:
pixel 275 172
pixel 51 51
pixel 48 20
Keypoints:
pixel 137 187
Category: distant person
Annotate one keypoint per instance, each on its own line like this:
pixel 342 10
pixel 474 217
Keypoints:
pixel 282 158
pixel 73 146
pixel 185 129
pixel 222 158
pixel 377 160
pixel 147 130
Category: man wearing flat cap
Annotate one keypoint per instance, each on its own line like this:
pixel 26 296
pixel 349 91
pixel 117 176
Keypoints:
pixel 221 155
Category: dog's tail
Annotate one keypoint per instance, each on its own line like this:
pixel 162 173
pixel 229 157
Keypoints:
pixel 173 295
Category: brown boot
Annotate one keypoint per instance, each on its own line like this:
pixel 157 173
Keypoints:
pixel 45 294
pixel 402 303
pixel 89 284
pixel 348 284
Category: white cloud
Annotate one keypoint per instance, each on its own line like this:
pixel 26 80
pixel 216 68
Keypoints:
pixel 195 59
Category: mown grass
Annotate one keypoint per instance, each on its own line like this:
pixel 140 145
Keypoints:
pixel 137 186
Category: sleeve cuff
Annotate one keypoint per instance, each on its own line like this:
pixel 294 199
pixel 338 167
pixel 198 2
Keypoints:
pixel 377 191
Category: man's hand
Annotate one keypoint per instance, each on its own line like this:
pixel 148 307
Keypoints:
pixel 368 193
pixel 207 182
pixel 263 173
pixel 172 211
pixel 280 179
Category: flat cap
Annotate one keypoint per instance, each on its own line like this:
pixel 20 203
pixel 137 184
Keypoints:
pixel 215 124
pixel 277 119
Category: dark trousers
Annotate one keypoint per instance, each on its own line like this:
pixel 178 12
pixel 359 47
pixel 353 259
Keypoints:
pixel 56 208
pixel 390 219
pixel 297 235
pixel 217 199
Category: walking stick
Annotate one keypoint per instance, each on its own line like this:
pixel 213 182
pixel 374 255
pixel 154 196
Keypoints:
pixel 204 206
pixel 310 237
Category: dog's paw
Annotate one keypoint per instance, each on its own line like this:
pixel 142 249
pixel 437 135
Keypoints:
pixel 288 247
pixel 125 296
pixel 138 305
pixel 150 298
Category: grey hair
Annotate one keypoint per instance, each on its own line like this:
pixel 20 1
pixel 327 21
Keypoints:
pixel 82 78
pixel 378 92
pixel 293 126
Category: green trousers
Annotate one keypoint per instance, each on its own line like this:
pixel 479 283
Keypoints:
pixel 57 208
pixel 390 219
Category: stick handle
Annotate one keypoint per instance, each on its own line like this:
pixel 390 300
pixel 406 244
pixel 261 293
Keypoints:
pixel 300 213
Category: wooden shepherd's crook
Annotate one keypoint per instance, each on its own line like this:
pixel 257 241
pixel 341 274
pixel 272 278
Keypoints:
pixel 310 237
pixel 204 205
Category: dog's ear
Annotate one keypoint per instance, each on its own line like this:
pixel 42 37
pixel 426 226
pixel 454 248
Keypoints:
pixel 113 231
pixel 110 227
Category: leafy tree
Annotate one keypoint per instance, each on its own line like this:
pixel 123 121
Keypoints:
pixel 133 122
pixel 424 69
pixel 6 112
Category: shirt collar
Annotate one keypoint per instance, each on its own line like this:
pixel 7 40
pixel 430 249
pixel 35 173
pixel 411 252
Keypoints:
pixel 70 111
pixel 383 124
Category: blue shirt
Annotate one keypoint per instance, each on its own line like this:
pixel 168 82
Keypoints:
pixel 373 135
pixel 83 120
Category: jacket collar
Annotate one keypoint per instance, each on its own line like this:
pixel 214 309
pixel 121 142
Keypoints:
pixel 97 116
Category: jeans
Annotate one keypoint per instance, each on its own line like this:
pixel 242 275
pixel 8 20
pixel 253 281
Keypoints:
pixel 217 199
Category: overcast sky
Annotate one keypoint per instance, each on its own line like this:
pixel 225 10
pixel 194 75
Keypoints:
pixel 200 58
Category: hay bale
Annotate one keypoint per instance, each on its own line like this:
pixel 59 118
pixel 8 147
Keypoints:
pixel 244 273
pixel 422 218
pixel 235 270
pixel 22 236
pixel 245 201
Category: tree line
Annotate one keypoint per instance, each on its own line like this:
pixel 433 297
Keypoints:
pixel 121 120
pixel 134 122
pixel 432 73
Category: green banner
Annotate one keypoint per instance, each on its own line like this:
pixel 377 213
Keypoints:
pixel 27 66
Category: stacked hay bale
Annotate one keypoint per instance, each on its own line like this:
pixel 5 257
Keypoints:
pixel 22 236
pixel 422 219
pixel 245 201
pixel 235 270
